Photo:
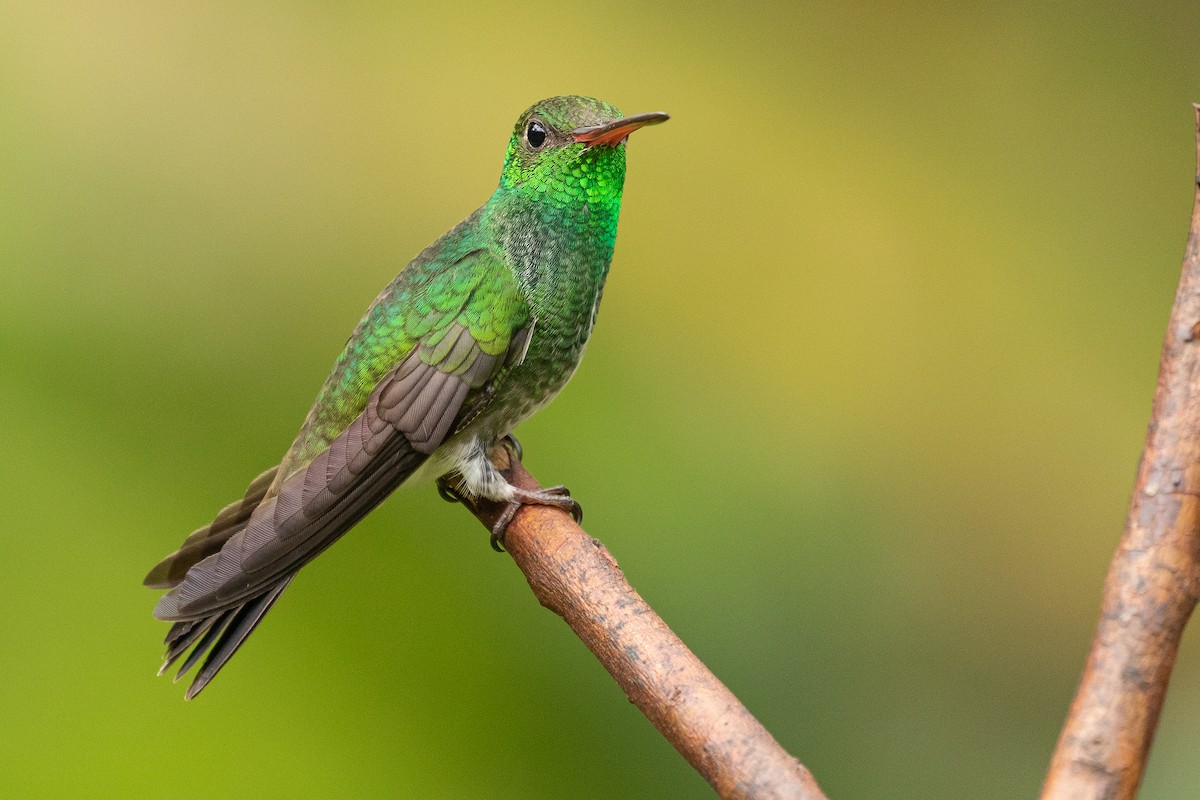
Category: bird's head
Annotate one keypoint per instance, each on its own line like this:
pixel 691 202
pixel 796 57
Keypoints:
pixel 571 150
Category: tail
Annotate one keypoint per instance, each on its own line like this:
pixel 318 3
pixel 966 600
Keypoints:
pixel 223 632
pixel 228 575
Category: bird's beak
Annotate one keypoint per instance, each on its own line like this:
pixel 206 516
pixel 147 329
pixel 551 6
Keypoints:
pixel 615 132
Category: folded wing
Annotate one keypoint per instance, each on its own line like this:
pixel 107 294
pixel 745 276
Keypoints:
pixel 227 576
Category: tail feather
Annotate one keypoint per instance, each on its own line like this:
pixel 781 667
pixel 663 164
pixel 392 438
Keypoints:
pixel 236 625
pixel 218 636
pixel 222 632
pixel 211 629
pixel 182 636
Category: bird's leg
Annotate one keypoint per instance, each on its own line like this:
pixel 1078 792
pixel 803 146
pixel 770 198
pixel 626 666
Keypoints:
pixel 450 486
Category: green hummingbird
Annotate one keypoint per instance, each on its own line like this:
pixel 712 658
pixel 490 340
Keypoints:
pixel 475 334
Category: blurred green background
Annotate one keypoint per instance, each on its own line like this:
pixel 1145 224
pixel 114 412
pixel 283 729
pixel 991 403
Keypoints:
pixel 860 419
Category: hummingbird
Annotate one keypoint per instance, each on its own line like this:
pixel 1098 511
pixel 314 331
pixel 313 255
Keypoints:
pixel 479 331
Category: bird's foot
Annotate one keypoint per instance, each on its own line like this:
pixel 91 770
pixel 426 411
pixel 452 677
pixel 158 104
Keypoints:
pixel 555 496
pixel 452 489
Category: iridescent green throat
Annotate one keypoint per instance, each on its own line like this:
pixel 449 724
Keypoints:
pixel 567 201
pixel 574 178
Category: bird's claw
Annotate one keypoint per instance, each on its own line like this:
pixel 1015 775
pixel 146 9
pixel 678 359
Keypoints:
pixel 500 527
pixel 448 492
pixel 560 497
pixel 514 446
pixel 555 496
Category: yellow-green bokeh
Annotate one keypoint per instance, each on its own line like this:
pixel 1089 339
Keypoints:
pixel 860 419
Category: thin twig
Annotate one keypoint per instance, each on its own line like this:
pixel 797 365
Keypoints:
pixel 574 576
pixel 1154 580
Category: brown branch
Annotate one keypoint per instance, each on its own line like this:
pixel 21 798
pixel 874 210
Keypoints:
pixel 1154 580
pixel 574 576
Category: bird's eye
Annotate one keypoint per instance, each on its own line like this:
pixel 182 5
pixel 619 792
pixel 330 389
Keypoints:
pixel 535 134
